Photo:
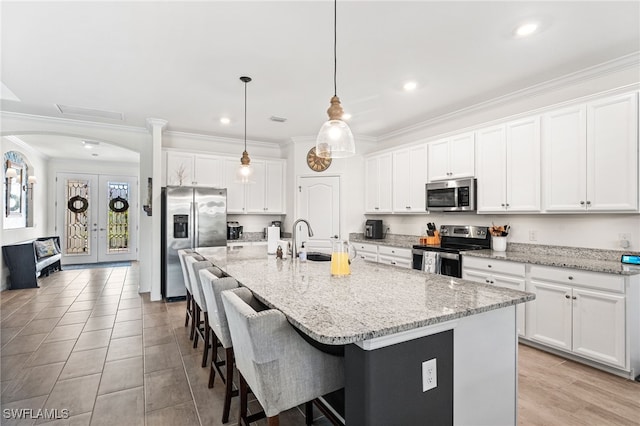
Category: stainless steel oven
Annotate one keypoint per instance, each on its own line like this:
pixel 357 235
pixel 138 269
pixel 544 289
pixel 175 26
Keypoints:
pixel 451 195
pixel 445 259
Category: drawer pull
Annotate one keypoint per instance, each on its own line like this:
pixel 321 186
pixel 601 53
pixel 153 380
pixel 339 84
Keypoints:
pixel 567 296
pixel 570 277
pixel 488 266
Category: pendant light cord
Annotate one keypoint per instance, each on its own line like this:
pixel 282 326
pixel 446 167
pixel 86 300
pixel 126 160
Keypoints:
pixel 335 44
pixel 245 116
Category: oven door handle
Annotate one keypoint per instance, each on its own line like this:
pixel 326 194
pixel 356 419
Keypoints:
pixel 452 256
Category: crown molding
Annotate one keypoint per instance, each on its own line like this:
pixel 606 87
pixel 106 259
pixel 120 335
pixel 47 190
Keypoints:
pixel 622 63
pixel 69 121
pixel 221 139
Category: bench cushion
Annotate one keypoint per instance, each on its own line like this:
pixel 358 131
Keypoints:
pixel 45 248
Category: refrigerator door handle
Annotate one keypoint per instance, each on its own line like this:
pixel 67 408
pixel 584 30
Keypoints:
pixel 194 213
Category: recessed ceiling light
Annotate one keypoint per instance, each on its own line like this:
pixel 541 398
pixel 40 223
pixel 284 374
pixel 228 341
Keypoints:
pixel 527 29
pixel 90 144
pixel 410 85
pixel 225 120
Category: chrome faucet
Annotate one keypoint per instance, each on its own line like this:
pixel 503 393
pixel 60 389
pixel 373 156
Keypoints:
pixel 294 242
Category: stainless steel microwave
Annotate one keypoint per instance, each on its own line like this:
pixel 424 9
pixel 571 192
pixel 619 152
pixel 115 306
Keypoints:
pixel 451 196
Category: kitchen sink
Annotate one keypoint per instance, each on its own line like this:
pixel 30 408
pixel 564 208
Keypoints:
pixel 318 257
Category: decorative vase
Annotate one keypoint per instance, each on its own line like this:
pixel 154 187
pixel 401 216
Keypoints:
pixel 499 243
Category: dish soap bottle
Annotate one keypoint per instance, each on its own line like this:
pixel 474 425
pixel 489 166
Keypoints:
pixel 302 253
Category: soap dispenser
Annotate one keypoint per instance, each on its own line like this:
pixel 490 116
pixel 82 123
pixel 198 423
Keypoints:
pixel 302 254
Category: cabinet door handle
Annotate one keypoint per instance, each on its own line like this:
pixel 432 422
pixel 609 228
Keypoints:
pixel 588 203
pixel 570 277
pixel 507 204
pixel 408 207
pixel 567 296
pixel 574 297
pixel 502 205
pixel 376 208
pixel 582 203
pixel 487 281
pixel 488 266
pixel 393 263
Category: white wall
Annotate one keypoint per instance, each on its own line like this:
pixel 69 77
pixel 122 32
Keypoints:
pixel 40 226
pixel 351 173
pixel 573 230
pixel 133 138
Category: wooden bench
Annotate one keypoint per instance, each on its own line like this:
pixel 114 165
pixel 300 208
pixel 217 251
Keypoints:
pixel 27 260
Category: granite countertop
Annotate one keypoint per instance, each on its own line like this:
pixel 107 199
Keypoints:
pixel 375 300
pixel 594 260
pixel 393 240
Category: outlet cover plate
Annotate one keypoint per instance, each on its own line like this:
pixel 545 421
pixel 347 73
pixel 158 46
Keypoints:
pixel 429 375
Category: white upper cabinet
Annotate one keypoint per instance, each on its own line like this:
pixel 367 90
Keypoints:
pixel 378 184
pixel 523 165
pixel 508 167
pixel 265 195
pixel 190 169
pixel 451 158
pixel 590 158
pixel 235 189
pixel 409 179
pixel 565 159
pixel 179 168
pixel 208 171
pixel 492 169
pixel 612 154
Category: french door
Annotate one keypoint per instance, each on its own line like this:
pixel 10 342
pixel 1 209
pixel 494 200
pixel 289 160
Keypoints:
pixel 319 203
pixel 96 217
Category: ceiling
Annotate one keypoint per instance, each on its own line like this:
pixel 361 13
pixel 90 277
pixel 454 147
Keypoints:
pixel 181 61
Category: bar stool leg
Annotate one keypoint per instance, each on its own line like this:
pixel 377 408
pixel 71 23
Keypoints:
pixel 207 333
pixel 194 308
pixel 229 384
pixel 242 417
pixel 196 322
pixel 188 312
pixel 308 412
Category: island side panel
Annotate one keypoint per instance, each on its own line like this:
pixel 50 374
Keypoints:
pixel 384 386
pixel 486 369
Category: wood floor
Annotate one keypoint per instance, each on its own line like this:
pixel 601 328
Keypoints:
pixel 87 341
pixel 556 391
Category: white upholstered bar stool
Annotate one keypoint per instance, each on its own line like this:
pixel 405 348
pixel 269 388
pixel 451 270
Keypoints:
pixel 282 369
pixel 193 267
pixel 212 286
pixel 187 283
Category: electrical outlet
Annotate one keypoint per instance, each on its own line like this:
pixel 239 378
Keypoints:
pixel 623 240
pixel 533 235
pixel 429 375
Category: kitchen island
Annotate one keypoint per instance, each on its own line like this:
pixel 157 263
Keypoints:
pixel 391 321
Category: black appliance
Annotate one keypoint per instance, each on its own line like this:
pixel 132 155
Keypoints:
pixel 453 240
pixel 451 196
pixel 234 230
pixel 373 229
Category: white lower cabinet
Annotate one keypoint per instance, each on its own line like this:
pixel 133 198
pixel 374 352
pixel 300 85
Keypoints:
pixel 501 274
pixel 388 255
pixel 577 311
pixel 395 256
pixel 367 251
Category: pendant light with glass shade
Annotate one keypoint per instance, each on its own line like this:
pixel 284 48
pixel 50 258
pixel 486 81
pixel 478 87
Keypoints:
pixel 245 171
pixel 335 139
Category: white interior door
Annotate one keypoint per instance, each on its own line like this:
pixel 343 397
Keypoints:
pixel 96 217
pixel 319 203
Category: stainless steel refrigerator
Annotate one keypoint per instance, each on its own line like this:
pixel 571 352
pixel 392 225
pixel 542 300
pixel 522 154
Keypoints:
pixel 191 217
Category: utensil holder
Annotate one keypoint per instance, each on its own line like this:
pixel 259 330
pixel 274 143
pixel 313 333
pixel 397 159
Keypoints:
pixel 499 243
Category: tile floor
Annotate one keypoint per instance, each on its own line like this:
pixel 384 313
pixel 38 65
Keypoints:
pixel 87 342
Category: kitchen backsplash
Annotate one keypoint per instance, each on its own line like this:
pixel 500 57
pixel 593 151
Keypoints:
pixel 599 231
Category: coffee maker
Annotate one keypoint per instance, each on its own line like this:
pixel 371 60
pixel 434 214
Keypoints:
pixel 234 230
pixel 373 229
